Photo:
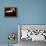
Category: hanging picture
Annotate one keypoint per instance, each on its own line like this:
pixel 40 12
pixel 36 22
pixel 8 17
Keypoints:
pixel 10 12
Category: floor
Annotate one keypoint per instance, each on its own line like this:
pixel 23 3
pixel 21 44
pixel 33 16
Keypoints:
pixel 30 43
pixel 7 45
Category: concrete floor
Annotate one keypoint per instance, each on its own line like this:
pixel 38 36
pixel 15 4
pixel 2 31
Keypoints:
pixel 28 43
pixel 7 45
pixel 32 43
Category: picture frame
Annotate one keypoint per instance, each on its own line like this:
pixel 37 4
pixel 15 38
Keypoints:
pixel 10 12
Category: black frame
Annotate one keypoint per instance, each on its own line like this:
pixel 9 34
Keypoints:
pixel 10 14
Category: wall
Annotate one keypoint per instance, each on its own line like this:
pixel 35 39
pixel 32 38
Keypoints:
pixel 29 12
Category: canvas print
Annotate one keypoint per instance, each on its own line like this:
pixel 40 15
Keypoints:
pixel 10 12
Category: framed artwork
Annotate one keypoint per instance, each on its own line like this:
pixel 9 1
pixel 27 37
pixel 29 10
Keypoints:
pixel 10 12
